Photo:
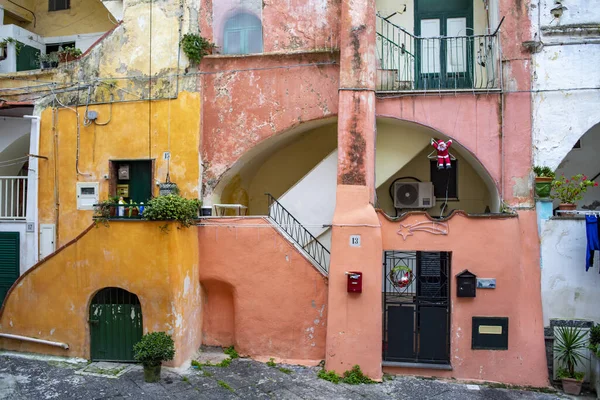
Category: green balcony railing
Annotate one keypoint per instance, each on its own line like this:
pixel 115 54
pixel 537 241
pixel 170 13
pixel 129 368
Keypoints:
pixel 411 63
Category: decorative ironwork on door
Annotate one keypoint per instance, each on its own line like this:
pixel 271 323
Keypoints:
pixel 416 307
pixel 115 324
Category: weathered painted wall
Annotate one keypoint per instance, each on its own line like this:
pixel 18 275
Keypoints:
pixel 296 25
pixel 249 99
pixel 279 300
pixel 472 192
pixel 512 258
pixel 171 125
pixel 472 121
pixel 283 169
pixel 84 16
pixel 166 283
pixel 569 61
pixel 568 291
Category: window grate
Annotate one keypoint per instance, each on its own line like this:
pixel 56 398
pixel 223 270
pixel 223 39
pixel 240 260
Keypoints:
pixel 58 5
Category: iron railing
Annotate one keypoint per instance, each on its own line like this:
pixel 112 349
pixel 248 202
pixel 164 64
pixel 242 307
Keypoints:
pixel 299 234
pixel 109 210
pixel 13 197
pixel 407 62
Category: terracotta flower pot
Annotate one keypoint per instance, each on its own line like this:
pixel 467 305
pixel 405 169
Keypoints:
pixel 112 211
pixel 567 206
pixel 572 386
pixel 543 186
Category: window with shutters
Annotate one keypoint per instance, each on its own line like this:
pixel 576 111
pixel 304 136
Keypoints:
pixel 243 35
pixel 444 181
pixel 58 5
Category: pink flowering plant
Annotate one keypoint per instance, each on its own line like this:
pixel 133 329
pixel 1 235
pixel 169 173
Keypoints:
pixel 570 190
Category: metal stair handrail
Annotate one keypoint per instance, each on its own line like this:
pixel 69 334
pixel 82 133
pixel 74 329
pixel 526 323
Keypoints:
pixel 299 234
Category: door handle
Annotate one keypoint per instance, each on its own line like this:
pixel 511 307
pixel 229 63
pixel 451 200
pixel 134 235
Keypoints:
pixel 94 321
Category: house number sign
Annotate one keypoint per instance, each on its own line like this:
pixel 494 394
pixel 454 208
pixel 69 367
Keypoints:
pixel 354 240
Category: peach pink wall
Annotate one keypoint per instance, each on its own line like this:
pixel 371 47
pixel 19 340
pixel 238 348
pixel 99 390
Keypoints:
pixel 266 96
pixel 279 298
pixel 293 25
pixel 472 120
pixel 218 325
pixel 504 248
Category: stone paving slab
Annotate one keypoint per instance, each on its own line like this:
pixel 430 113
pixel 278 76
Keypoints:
pixel 36 379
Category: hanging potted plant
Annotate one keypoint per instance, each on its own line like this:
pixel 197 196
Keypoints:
pixel 401 276
pixel 151 351
pixel 543 181
pixel 570 190
pixel 570 344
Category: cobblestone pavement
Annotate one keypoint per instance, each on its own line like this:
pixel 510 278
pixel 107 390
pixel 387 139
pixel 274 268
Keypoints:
pixel 25 378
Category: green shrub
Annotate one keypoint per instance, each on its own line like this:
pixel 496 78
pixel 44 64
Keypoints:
pixel 154 348
pixel 545 172
pixel 330 376
pixel 195 47
pixel 595 335
pixel 356 377
pixel 172 208
pixel 230 351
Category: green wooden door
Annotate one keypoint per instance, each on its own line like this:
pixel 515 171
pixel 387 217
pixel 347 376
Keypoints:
pixel 9 261
pixel 115 325
pixel 140 181
pixel 445 49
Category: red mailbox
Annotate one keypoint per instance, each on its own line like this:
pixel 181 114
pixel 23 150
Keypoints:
pixel 354 282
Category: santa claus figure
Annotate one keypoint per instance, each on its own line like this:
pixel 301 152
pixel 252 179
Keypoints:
pixel 442 152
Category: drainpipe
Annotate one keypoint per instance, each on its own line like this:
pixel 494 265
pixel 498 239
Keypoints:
pixel 34 340
pixel 33 184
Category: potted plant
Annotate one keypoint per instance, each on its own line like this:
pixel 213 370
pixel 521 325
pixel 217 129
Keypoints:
pixel 151 351
pixel 67 54
pixel 595 350
pixel 543 181
pixel 196 47
pixel 172 207
pixel 48 60
pixel 568 350
pixel 570 190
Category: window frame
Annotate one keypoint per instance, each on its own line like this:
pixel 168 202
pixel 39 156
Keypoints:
pixel 54 4
pixel 453 170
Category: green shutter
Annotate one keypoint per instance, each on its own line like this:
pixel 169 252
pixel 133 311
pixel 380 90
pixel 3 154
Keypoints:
pixel 9 261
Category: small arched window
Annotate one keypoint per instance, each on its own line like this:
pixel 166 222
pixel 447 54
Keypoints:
pixel 242 35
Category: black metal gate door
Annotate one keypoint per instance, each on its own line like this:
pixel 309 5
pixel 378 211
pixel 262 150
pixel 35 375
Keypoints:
pixel 416 307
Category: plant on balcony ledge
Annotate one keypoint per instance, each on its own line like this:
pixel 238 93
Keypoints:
pixel 68 54
pixel 172 207
pixel 196 47
pixel 18 45
pixel 543 181
pixel 569 191
pixel 49 60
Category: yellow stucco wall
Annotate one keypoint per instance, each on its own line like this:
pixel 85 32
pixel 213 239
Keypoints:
pixel 84 16
pixel 288 165
pixel 51 301
pixel 174 127
pixel 473 194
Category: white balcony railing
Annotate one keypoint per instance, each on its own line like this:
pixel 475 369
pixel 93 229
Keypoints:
pixel 13 197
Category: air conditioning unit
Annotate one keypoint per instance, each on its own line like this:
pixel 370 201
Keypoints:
pixel 413 195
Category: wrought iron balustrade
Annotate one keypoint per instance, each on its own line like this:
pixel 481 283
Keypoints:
pixel 407 62
pixel 299 234
pixel 13 197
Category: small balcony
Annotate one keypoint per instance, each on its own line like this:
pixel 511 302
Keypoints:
pixel 13 198
pixel 431 62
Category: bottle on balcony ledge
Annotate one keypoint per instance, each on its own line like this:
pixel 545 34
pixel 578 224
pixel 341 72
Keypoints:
pixel 121 212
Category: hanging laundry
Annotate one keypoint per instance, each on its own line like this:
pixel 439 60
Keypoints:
pixel 593 240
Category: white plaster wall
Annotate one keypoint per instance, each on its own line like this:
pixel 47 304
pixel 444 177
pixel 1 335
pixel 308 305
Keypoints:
pixel 560 118
pixel 568 291
pixel 23 36
pixel 312 200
